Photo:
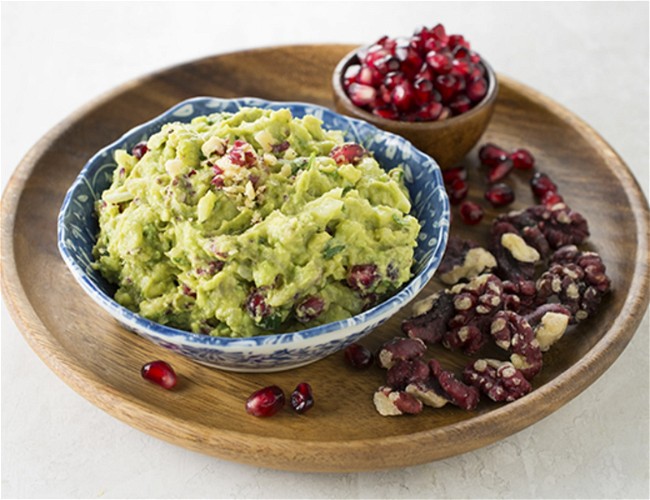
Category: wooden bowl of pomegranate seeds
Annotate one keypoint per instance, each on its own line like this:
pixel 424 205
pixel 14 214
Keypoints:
pixel 430 88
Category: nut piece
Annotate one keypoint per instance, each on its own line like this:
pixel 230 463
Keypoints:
pixel 425 392
pixel 516 260
pixel 519 296
pixel 549 322
pixel 458 393
pixel 518 248
pixel 577 279
pixel 432 316
pixel 499 380
pixel 389 402
pixel 512 333
pixel 474 303
pixel 546 228
pixel 464 259
pixel 403 373
pixel 400 349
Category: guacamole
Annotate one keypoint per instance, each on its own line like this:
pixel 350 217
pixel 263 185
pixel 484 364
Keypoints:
pixel 252 223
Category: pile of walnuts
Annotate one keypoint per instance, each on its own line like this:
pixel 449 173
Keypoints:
pixel 521 293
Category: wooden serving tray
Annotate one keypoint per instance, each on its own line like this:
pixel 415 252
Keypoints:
pixel 343 432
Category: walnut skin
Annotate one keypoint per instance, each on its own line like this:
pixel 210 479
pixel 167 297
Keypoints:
pixel 400 349
pixel 390 402
pixel 577 279
pixel 513 333
pixel 498 380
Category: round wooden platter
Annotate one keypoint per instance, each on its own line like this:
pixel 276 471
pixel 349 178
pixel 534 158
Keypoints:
pixel 343 432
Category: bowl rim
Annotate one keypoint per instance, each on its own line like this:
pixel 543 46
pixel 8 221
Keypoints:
pixel 360 113
pixel 164 332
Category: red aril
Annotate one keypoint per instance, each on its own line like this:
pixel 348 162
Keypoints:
pixel 471 213
pixel 430 112
pixel 439 62
pixel 457 191
pixel 361 95
pixel 491 155
pixel 460 104
pixel 551 198
pixel 477 89
pixel 522 159
pixel 403 96
pixel 139 150
pixel 302 398
pixel 500 195
pixel 451 174
pixel 265 402
pixel 362 277
pixel 499 171
pixel 423 90
pixel 542 184
pixel 446 85
pixel 387 112
pixel 358 356
pixel 160 373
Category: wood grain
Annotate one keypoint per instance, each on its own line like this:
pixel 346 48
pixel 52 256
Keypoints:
pixel 101 361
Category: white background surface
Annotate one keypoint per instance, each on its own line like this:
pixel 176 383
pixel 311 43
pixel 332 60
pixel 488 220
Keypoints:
pixel 590 57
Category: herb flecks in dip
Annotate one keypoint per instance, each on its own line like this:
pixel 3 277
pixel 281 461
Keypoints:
pixel 251 223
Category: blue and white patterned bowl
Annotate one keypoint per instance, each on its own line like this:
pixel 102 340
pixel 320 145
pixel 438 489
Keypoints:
pixel 77 230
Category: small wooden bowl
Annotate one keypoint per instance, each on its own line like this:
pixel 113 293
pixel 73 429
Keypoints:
pixel 447 141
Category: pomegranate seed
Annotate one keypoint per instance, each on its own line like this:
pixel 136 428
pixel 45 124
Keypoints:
pixel 351 74
pixel 139 150
pixel 256 305
pixel 375 54
pixel 457 191
pixel 500 195
pixel 423 91
pixel 160 373
pixel 439 62
pixel 358 356
pixel 461 52
pixel 439 33
pixel 309 309
pixel 393 78
pixel 361 95
pixel 471 213
pixel 409 59
pixel 458 40
pixel 425 73
pixel 430 111
pixel 386 112
pixel 242 153
pixel 387 64
pixel 460 104
pixel 445 113
pixel 551 198
pixel 446 85
pixel 265 402
pixel 522 159
pixel 451 174
pixel 366 76
pixel 477 89
pixel 499 171
pixel 349 152
pixel 302 398
pixel 461 67
pixel 403 96
pixel 362 277
pixel 541 184
pixel 491 155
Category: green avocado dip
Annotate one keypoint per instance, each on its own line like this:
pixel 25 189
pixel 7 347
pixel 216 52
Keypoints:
pixel 252 223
